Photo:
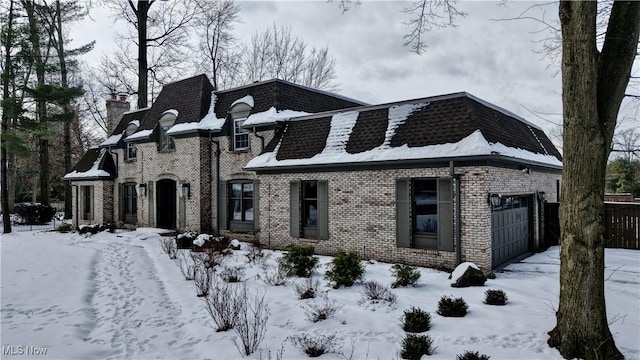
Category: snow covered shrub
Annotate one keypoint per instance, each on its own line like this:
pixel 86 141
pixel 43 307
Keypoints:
pixel 255 254
pixel 185 240
pixel 309 289
pixel 414 346
pixel 375 292
pixel 251 324
pixel 452 307
pixel 202 276
pixel 316 345
pixel 169 247
pixel 278 277
pixel 212 258
pixel 416 320
pixel 186 264
pixel 405 275
pixel 34 213
pixel 344 269
pixel 321 311
pixel 232 274
pixel 299 260
pixel 495 297
pixel 65 228
pixel 224 303
pixel 472 355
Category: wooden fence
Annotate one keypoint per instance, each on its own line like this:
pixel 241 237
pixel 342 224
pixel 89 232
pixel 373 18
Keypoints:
pixel 622 225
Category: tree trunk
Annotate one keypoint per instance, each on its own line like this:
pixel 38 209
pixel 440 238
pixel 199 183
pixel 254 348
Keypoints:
pixel 593 86
pixel 6 116
pixel 143 71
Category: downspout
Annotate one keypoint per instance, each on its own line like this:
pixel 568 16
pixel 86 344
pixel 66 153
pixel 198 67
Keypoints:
pixel 114 216
pixel 458 233
pixel 217 210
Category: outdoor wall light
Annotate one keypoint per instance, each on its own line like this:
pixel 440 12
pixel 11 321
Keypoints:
pixel 495 200
pixel 186 190
pixel 541 196
pixel 143 189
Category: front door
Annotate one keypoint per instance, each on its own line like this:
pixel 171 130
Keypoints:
pixel 166 204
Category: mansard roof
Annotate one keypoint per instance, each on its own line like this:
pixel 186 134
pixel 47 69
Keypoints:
pixel 439 128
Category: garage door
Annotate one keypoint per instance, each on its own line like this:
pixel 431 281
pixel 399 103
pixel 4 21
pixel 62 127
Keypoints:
pixel 510 228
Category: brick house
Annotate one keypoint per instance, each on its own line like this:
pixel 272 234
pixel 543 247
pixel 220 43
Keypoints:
pixel 431 182
pixel 179 163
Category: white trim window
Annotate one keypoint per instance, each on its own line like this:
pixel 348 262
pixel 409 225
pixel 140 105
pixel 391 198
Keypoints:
pixel 165 141
pixel 240 136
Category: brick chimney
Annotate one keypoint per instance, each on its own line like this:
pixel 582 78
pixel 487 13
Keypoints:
pixel 116 107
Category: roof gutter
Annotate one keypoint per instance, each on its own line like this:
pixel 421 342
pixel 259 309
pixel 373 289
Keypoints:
pixel 458 228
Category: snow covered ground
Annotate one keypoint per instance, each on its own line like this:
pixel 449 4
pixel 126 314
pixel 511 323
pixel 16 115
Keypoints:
pixel 118 296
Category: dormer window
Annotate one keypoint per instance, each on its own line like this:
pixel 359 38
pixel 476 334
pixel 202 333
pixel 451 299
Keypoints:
pixel 240 136
pixel 130 151
pixel 168 118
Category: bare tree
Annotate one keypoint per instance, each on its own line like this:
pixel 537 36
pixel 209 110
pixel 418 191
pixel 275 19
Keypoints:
pixel 426 15
pixel 214 25
pixel 627 142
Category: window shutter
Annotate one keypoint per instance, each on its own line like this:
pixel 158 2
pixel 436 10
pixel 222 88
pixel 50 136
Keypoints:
pixel 151 202
pixel 222 209
pixel 445 215
pixel 294 208
pixel 91 202
pixel 323 210
pixel 403 219
pixel 121 197
pixel 256 205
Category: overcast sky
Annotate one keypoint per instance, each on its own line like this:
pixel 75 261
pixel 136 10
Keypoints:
pixel 494 60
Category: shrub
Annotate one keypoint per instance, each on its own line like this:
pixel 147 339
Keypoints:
pixel 495 297
pixel 452 307
pixel 65 228
pixel 321 311
pixel 414 346
pixel 251 324
pixel 276 278
pixel 307 290
pixel 299 260
pixel 95 228
pixel 345 269
pixel 169 247
pixel 212 258
pixel 185 240
pixel 472 355
pixel 255 255
pixel 34 213
pixel 405 275
pixel 224 304
pixel 202 276
pixel 416 320
pixel 232 274
pixel 316 345
pixel 375 292
pixel 186 264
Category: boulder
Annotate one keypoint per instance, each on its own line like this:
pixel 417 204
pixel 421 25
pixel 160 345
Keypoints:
pixel 467 274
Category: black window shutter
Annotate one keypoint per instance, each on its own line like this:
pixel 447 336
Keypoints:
pixel 256 205
pixel 122 200
pixel 403 213
pixel 222 209
pixel 294 208
pixel 323 210
pixel 445 215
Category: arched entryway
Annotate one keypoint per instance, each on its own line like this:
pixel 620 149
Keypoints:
pixel 166 204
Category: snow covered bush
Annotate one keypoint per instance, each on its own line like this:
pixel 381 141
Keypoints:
pixel 34 213
pixel 405 275
pixel 452 307
pixel 321 311
pixel 375 292
pixel 299 260
pixel 64 228
pixel 255 255
pixel 495 297
pixel 169 247
pixel 472 355
pixel 251 324
pixel 186 264
pixel 212 258
pixel 416 320
pixel 414 346
pixel 202 276
pixel 309 289
pixel 232 274
pixel 316 345
pixel 345 269
pixel 224 303
pixel 185 240
pixel 277 277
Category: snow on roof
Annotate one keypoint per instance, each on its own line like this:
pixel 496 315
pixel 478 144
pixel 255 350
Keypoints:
pixel 341 126
pixel 94 172
pixel 208 123
pixel 247 100
pixel 473 145
pixel 397 116
pixel 136 110
pixel 271 116
pixel 135 122
pixel 171 111
pixel 142 134
pixel 111 140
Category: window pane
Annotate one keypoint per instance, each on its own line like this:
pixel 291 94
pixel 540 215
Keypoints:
pixel 310 190
pixel 247 190
pixel 310 212
pixel 425 207
pixel 248 209
pixel 236 211
pixel 236 190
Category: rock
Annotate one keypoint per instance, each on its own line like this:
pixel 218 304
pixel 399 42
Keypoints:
pixel 467 274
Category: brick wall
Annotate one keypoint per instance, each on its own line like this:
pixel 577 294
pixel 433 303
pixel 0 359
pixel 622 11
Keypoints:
pixel 102 205
pixel 362 212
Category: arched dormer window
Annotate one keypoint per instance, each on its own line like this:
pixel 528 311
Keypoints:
pixel 240 137
pixel 130 151
pixel 168 118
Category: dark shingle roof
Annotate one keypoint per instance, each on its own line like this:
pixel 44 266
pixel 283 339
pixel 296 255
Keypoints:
pixel 85 164
pixel 439 120
pixel 129 117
